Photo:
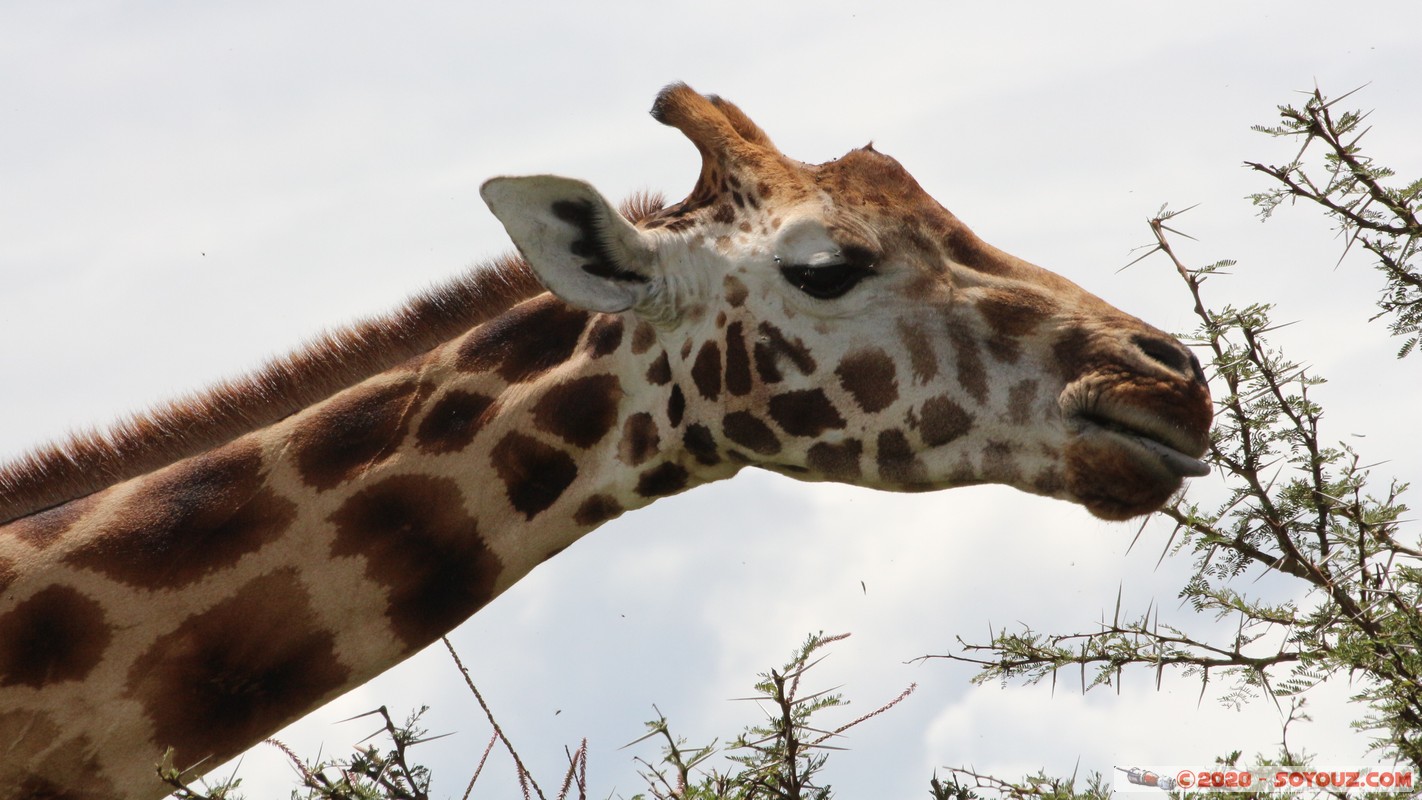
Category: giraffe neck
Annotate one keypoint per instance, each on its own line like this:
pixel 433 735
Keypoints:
pixel 61 471
pixel 207 604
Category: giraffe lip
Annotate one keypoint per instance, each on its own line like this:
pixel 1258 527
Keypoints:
pixel 1162 443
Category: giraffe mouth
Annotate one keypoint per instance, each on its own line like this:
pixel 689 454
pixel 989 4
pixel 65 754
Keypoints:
pixel 1146 435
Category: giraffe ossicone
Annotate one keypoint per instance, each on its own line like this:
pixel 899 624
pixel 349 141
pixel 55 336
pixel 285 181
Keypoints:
pixel 215 570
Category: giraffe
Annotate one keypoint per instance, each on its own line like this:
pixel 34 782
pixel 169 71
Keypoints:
pixel 208 572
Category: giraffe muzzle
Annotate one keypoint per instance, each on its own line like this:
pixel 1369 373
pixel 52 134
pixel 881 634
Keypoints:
pixel 1149 442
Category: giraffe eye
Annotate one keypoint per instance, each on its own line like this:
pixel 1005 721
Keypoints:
pixel 825 282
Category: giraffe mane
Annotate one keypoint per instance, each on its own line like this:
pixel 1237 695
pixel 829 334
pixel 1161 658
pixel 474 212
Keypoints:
pixel 88 461
pixel 91 460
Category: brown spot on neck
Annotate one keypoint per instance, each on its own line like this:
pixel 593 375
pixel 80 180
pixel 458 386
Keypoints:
pixel 580 411
pixel 56 635
pixel 453 420
pixel 355 431
pixel 664 479
pixel 701 444
pixel 419 543
pixel 44 528
pixel 640 440
pixel 189 521
pixel 597 509
pixel 659 373
pixel 525 342
pixel 605 335
pixel 237 672
pixel 676 406
pixel 534 474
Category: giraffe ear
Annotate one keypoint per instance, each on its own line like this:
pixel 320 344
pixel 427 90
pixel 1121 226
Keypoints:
pixel 581 248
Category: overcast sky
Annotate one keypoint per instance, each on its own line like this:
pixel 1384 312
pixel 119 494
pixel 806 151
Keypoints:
pixel 186 189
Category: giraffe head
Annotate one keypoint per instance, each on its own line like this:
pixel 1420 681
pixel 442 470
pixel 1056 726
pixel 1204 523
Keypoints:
pixel 834 322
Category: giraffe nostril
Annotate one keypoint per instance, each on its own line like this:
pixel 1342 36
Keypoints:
pixel 1197 370
pixel 1170 354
